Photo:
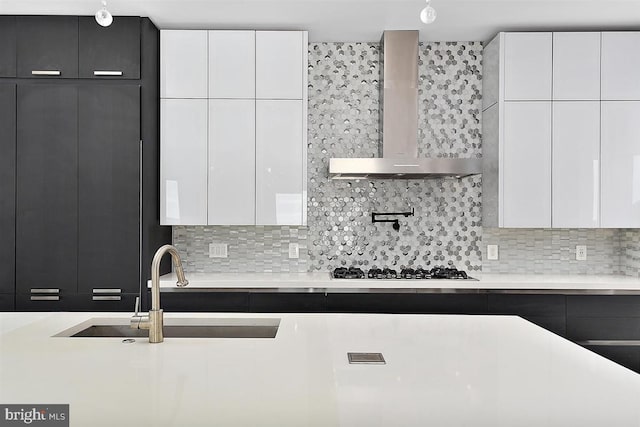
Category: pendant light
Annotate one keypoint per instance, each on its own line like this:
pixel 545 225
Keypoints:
pixel 428 14
pixel 103 17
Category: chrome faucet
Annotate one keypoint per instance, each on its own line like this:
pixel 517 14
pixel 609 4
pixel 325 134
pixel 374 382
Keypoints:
pixel 154 320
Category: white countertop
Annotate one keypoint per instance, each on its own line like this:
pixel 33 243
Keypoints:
pixel 323 280
pixel 441 371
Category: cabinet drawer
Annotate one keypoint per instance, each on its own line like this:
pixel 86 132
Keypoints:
pixel 287 303
pixel 47 46
pixel 111 52
pixel 603 306
pixel 603 328
pixel 528 305
pixel 182 302
pixel 43 302
pixel 407 303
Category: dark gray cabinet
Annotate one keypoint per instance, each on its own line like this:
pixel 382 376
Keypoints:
pixel 109 52
pixel 7 46
pixel 47 46
pixel 8 192
pixel 47 188
pixel 109 190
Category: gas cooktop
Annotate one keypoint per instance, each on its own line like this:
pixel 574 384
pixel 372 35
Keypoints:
pixel 405 273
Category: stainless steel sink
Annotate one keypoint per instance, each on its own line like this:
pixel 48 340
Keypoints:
pixel 177 328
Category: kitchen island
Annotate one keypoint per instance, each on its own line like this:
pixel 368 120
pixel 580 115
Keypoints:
pixel 440 370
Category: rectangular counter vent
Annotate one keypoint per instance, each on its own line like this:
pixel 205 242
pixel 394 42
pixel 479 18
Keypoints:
pixel 366 358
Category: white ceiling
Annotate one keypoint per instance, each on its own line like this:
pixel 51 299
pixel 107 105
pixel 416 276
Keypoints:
pixel 359 20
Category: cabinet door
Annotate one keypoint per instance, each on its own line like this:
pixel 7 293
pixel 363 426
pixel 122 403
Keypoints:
pixel 183 162
pixel 576 66
pixel 281 63
pixel 108 188
pixel 7 46
pixel 183 64
pixel 110 52
pixel 620 164
pixel 527 66
pixel 7 187
pixel 620 64
pixel 232 162
pixel 279 163
pixel 47 46
pixel 526 165
pixel 576 164
pixel 232 64
pixel 47 188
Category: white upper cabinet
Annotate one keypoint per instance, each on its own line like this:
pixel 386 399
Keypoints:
pixel 280 156
pixel 281 64
pixel 527 66
pixel 183 162
pixel 232 58
pixel 576 66
pixel 231 158
pixel 183 65
pixel 620 65
pixel 620 164
pixel 576 164
pixel 526 165
pixel 232 162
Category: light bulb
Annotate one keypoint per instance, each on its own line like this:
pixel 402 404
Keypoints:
pixel 428 14
pixel 103 17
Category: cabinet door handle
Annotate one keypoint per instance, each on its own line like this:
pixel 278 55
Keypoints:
pixel 107 298
pixel 45 298
pixel 107 73
pixel 45 291
pixel 45 73
pixel 106 291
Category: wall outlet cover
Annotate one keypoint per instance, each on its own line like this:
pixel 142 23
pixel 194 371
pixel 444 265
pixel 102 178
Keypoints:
pixel 492 252
pixel 218 250
pixel 581 253
pixel 294 251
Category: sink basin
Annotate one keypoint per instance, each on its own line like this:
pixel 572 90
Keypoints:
pixel 177 328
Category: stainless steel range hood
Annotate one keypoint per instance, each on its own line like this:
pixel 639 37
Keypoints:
pixel 399 123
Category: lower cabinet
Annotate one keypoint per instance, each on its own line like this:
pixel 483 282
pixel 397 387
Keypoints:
pixel 287 302
pixel 7 302
pixel 75 302
pixel 203 302
pixel 608 325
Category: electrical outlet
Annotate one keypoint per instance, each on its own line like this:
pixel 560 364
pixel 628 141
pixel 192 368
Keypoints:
pixel 217 250
pixel 581 253
pixel 492 252
pixel 294 251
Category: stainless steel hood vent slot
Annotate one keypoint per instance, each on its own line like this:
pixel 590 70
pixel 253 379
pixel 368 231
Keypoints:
pixel 399 123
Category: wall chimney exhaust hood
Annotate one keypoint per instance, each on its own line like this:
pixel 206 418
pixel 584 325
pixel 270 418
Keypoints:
pixel 399 123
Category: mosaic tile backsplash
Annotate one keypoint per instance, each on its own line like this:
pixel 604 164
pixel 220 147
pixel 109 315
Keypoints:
pixel 552 251
pixel 343 122
pixel 251 249
pixel 446 228
pixel 630 252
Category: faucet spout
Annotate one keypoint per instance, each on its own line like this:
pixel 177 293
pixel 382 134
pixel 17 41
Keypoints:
pixel 154 320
